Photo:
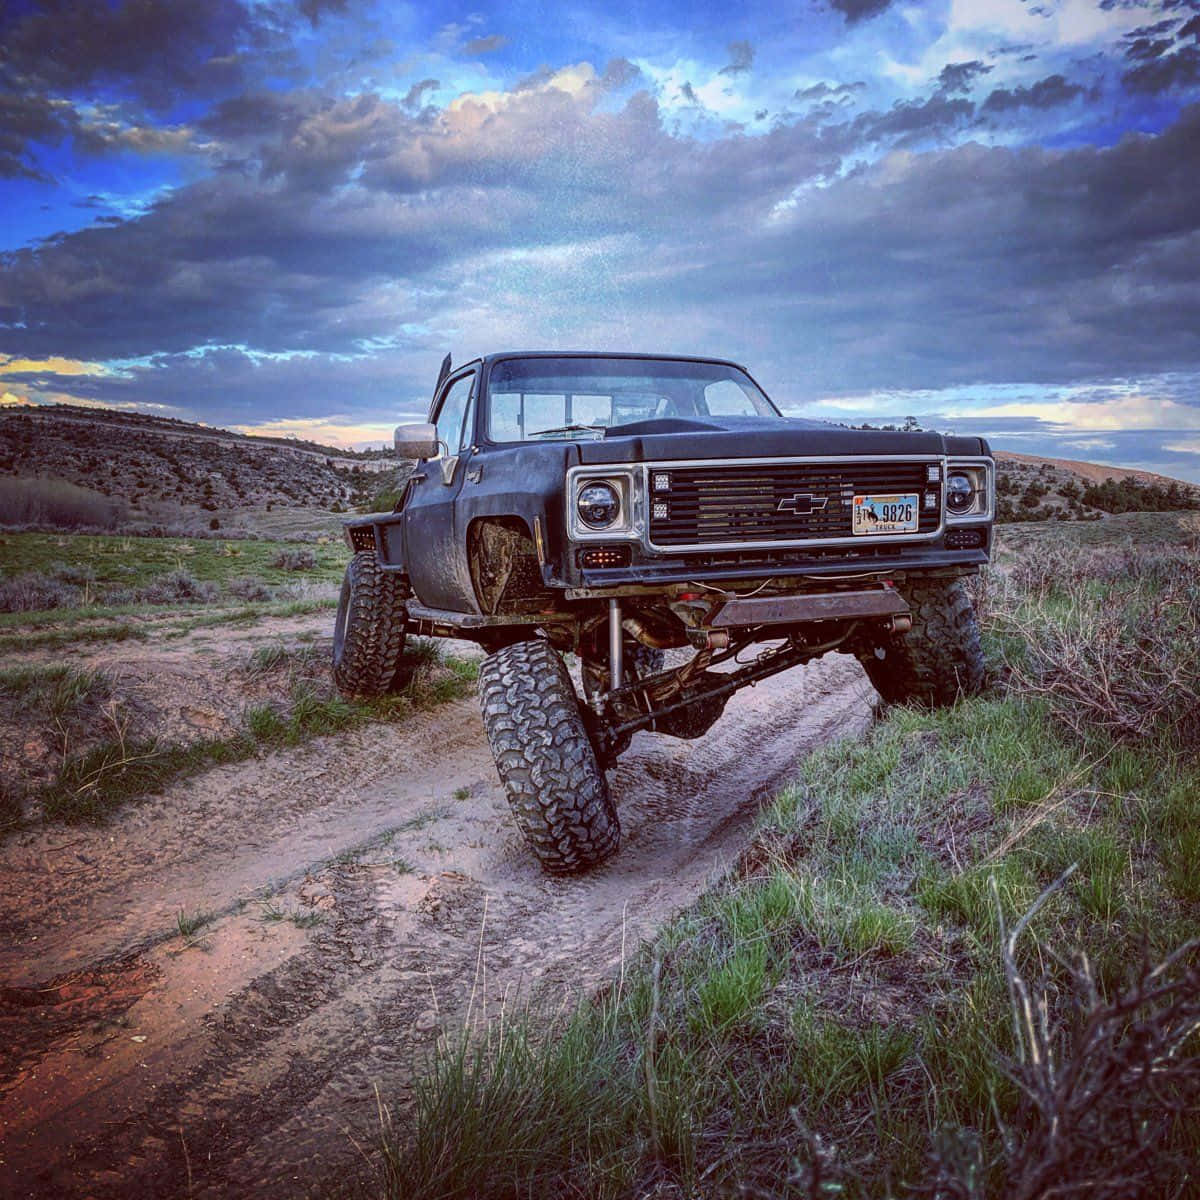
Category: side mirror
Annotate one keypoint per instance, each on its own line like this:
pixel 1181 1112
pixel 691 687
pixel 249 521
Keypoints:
pixel 416 441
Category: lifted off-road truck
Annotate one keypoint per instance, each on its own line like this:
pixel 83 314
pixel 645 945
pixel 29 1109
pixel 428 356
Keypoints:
pixel 621 506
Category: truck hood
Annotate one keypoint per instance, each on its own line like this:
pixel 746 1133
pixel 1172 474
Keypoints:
pixel 678 439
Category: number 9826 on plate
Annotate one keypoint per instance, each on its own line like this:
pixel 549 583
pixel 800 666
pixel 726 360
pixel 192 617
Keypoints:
pixel 885 514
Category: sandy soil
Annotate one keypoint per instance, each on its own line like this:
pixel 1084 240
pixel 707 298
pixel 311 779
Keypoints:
pixel 369 893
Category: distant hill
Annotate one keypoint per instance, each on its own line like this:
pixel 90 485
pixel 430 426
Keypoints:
pixel 1092 472
pixel 169 474
pixel 1031 488
pixel 158 474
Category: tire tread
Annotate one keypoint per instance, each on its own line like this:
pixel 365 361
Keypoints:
pixel 554 784
pixel 940 658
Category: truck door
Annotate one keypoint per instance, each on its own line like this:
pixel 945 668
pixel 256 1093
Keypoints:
pixel 435 551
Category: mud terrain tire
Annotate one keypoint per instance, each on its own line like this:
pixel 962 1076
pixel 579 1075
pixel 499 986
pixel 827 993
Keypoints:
pixel 554 784
pixel 369 633
pixel 939 658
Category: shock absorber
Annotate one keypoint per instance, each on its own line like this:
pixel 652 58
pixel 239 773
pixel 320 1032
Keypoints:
pixel 616 664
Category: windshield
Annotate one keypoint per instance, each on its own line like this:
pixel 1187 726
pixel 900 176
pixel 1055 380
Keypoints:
pixel 540 399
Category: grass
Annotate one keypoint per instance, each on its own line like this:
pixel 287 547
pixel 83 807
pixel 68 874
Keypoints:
pixel 65 579
pixel 836 1016
pixel 62 703
pixel 55 692
pixel 91 785
pixel 68 626
pixel 189 924
pixel 114 562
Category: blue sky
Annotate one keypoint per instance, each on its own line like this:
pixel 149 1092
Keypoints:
pixel 279 215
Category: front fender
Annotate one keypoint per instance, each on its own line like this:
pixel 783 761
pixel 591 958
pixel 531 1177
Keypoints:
pixel 381 532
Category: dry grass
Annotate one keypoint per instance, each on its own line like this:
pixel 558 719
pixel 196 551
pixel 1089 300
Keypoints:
pixel 1111 638
pixel 847 1013
pixel 55 502
pixel 1104 1083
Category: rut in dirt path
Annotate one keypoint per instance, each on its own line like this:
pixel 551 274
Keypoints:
pixel 261 1048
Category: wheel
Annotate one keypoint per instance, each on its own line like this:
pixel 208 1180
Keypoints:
pixel 368 636
pixel 939 659
pixel 554 784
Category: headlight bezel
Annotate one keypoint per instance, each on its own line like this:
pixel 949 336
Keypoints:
pixel 624 482
pixel 981 472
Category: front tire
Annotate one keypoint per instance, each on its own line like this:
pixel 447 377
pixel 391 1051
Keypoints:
pixel 939 659
pixel 545 758
pixel 369 633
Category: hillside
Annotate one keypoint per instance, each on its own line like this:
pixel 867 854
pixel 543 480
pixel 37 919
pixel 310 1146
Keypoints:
pixel 176 476
pixel 1031 488
pixel 142 473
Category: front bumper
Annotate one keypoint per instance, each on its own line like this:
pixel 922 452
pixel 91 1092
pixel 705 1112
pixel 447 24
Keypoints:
pixel 663 570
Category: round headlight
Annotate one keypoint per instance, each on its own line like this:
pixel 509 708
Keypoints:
pixel 598 505
pixel 960 495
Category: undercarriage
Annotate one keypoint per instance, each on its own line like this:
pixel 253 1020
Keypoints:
pixel 761 635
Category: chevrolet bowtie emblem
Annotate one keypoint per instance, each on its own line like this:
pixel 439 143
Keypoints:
pixel 803 504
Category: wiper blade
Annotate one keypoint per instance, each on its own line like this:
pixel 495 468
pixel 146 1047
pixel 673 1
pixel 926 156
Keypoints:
pixel 569 429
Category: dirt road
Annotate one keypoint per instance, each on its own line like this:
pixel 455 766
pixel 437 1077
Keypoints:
pixel 367 892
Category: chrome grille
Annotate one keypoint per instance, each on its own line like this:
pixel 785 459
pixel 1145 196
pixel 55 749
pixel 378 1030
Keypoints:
pixel 731 503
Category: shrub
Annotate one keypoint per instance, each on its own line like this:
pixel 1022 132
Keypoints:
pixel 178 587
pixel 1131 495
pixel 249 587
pixel 34 592
pixel 55 502
pixel 295 560
pixel 1120 660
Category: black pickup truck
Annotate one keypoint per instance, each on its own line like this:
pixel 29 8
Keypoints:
pixel 618 506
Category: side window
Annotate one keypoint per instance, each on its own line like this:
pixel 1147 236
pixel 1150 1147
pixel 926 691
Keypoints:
pixel 725 399
pixel 453 426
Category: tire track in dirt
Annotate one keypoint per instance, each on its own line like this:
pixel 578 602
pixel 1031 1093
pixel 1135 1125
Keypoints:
pixel 250 1065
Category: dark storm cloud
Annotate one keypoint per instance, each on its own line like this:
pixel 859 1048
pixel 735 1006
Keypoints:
pixel 859 10
pixel 619 73
pixel 412 98
pixel 62 62
pixel 486 45
pixel 257 115
pixel 163 49
pixel 223 261
pixel 958 77
pixel 355 218
pixel 741 58
pixel 336 138
pixel 1046 93
pixel 1049 266
pixel 224 385
pixel 1144 48
pixel 910 122
pixel 828 97
pixel 354 195
pixel 1155 30
pixel 1019 50
pixel 1179 70
pixel 25 119
pixel 314 10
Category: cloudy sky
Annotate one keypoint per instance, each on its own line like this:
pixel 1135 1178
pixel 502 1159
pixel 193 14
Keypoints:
pixel 278 215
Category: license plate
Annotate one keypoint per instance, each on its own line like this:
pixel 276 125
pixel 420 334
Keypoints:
pixel 885 514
